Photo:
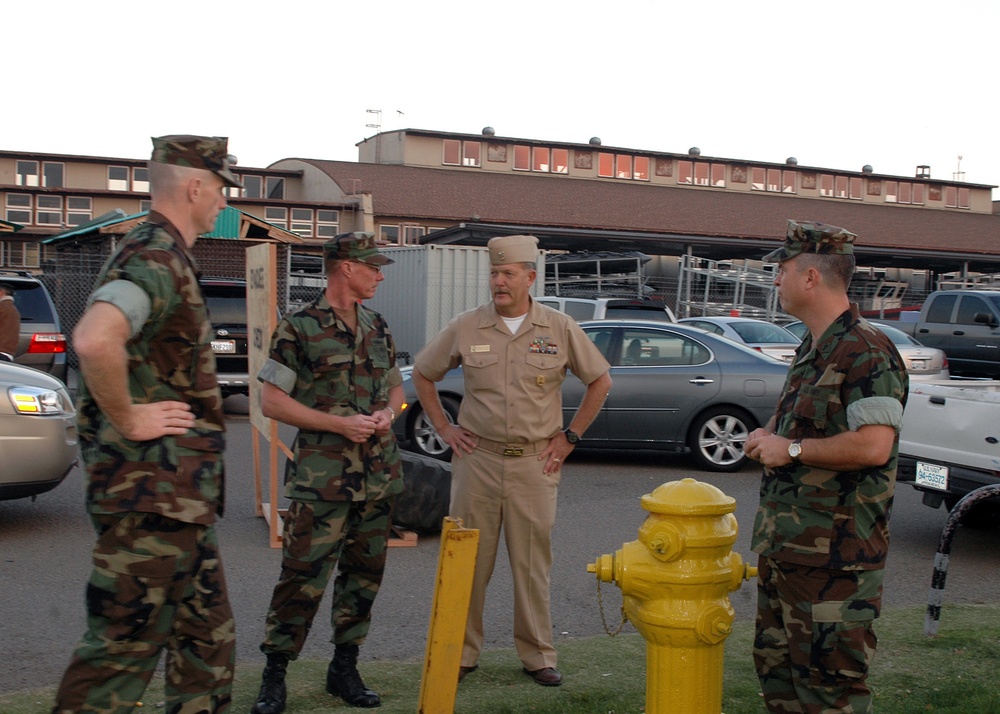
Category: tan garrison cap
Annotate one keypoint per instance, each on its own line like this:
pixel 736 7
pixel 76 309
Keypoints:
pixel 513 249
pixel 812 237
pixel 210 153
pixel 357 246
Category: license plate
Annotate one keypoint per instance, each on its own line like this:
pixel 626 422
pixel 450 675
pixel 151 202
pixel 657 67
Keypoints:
pixel 918 364
pixel 932 476
pixel 224 347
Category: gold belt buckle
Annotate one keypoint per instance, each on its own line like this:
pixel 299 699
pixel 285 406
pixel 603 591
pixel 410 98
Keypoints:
pixel 513 451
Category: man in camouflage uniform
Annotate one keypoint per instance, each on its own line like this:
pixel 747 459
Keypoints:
pixel 152 435
pixel 332 373
pixel 829 456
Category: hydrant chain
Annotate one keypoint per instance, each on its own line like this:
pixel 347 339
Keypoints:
pixel 600 605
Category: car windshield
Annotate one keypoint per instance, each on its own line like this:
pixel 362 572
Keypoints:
pixel 227 310
pixel 763 333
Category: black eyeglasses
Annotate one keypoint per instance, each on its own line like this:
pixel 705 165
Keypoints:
pixel 376 268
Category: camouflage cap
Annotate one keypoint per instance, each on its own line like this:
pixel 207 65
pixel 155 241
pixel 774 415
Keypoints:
pixel 210 153
pixel 505 250
pixel 812 237
pixel 357 246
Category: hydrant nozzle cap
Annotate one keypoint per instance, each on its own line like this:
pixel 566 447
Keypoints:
pixel 688 497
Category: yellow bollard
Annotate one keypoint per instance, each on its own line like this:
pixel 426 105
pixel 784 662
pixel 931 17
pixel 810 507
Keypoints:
pixel 675 581
pixel 446 633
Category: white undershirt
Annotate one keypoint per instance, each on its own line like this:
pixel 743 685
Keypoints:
pixel 513 323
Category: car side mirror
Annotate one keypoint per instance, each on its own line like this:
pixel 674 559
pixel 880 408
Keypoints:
pixel 986 318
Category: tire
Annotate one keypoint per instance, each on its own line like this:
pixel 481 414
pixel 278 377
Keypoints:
pixel 717 436
pixel 423 504
pixel 421 435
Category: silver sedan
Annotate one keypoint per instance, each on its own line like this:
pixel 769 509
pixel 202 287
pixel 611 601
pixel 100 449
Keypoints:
pixel 675 388
pixel 38 442
pixel 922 362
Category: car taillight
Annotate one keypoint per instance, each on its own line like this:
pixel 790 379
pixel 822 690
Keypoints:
pixel 47 343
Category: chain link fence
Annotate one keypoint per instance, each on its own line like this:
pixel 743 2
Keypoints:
pixel 71 275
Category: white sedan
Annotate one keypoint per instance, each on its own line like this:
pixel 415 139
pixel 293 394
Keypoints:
pixel 773 340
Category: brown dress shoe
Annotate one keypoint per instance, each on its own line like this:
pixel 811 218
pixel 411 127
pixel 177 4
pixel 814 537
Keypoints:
pixel 546 676
pixel 462 671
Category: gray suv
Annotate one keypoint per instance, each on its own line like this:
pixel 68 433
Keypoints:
pixel 41 344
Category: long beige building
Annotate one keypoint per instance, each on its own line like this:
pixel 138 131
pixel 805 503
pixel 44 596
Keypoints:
pixel 412 186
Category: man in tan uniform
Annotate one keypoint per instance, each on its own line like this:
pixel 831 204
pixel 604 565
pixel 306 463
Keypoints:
pixel 509 444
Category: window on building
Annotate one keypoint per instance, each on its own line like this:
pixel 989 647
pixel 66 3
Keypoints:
pixel 18 209
pixel 701 173
pixel 904 192
pixel 23 255
pixel 302 222
pixel 560 161
pixel 327 223
pixel 471 153
pixel 275 187
pixel 389 235
pixel 956 197
pixel 540 159
pixel 27 173
pixel 253 186
pixel 277 216
pixel 841 186
pixel 623 166
pixel 140 179
pixel 118 178
pixel 412 234
pixel 605 165
pixel 522 158
pixel 53 174
pixel 49 210
pixel 641 168
pixel 772 179
pixel 461 153
pixel 79 210
pixel 145 205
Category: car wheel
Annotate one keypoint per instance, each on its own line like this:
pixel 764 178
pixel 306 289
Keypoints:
pixel 717 436
pixel 424 438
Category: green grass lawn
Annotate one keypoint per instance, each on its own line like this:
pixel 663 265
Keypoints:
pixel 955 672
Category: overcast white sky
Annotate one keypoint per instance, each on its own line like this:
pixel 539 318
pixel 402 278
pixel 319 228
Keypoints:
pixel 891 83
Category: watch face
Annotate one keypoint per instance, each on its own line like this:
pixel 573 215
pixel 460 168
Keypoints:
pixel 571 436
pixel 794 449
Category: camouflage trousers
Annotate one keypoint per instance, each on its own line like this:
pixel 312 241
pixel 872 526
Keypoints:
pixel 156 584
pixel 814 637
pixel 352 536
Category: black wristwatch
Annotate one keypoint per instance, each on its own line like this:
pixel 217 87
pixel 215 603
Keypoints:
pixel 571 436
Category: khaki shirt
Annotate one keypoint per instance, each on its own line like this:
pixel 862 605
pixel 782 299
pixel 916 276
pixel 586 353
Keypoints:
pixel 512 382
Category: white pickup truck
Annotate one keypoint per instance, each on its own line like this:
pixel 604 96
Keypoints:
pixel 950 443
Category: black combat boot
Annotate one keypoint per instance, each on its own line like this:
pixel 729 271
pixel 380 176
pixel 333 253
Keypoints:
pixel 343 680
pixel 271 699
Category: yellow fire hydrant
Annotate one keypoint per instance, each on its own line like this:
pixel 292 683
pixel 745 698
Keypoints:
pixel 675 582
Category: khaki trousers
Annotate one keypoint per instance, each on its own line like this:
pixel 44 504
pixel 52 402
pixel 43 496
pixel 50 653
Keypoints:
pixel 492 492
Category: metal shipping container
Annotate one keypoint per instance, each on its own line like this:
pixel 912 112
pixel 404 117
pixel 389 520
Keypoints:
pixel 428 285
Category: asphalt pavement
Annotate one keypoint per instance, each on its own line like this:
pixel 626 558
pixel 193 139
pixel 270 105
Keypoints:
pixel 45 561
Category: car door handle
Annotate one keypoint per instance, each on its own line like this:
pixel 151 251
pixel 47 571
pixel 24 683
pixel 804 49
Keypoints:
pixel 958 332
pixel 701 380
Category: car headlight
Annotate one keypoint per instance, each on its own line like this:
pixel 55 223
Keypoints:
pixel 36 400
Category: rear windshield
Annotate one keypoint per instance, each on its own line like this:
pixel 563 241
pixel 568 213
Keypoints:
pixel 33 305
pixel 637 313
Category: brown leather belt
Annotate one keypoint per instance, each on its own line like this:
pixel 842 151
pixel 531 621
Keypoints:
pixel 513 450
